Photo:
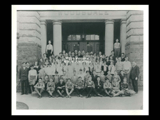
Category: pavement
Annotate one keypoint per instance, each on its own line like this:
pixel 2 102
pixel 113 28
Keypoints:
pixel 135 102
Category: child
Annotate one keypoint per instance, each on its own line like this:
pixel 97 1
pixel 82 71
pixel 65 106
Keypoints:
pixel 124 89
pixel 98 86
pixel 107 86
pixel 50 87
pixel 56 78
pixel 32 77
pixel 39 87
pixel 116 77
pixel 41 73
pixel 111 68
pixel 46 80
pixel 79 86
pixel 109 76
pixel 98 68
pixel 116 87
pixel 89 87
pixel 61 87
pixel 74 78
pixel 69 87
pixel 102 77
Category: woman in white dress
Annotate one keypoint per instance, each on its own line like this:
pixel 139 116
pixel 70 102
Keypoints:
pixel 49 49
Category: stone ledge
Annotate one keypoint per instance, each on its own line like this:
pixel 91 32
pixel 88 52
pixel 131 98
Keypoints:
pixel 134 32
pixel 134 12
pixel 137 24
pixel 33 40
pixel 29 20
pixel 30 33
pixel 133 18
pixel 28 14
pixel 27 26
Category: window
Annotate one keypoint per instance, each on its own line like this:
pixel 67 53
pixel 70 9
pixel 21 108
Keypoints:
pixel 74 37
pixel 92 37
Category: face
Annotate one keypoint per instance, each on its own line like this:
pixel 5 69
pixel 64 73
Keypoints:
pixel 40 80
pixel 24 65
pixel 124 80
pixel 36 63
pixel 122 72
pixel 51 80
pixel 133 64
pixel 116 40
pixel 32 68
pixel 98 78
pixel 126 58
pixel 46 77
pixel 61 80
pixel 80 79
pixel 49 42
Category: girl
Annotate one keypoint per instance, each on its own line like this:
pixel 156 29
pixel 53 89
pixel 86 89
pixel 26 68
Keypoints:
pixel 117 48
pixel 107 86
pixel 49 49
pixel 50 87
pixel 69 87
pixel 39 87
pixel 32 77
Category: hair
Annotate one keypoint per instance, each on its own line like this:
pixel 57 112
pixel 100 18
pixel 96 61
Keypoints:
pixel 23 62
pixel 32 65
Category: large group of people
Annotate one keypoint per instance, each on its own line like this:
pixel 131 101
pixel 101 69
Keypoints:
pixel 81 73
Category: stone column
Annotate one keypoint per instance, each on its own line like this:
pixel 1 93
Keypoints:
pixel 43 36
pixel 109 31
pixel 123 35
pixel 57 37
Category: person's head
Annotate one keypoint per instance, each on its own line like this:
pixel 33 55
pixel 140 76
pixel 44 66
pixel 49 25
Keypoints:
pixel 122 72
pixel 56 73
pixel 126 59
pixel 119 59
pixel 117 40
pixel 98 78
pixel 51 80
pixel 109 72
pixel 122 55
pixel 80 71
pixel 115 73
pixel 69 80
pixel 32 67
pixel 27 64
pixel 75 51
pixel 102 72
pixel 87 72
pixel 90 79
pixel 125 80
pixel 64 72
pixel 100 52
pixel 46 77
pixel 41 60
pixel 80 78
pixel 36 63
pixel 61 80
pixel 111 63
pixel 23 64
pixel 64 51
pixel 107 80
pixel 40 80
pixel 133 64
pixel 49 42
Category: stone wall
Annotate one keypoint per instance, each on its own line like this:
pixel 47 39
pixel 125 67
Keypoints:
pixel 134 40
pixel 29 41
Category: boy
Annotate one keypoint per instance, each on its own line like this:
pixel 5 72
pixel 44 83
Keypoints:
pixel 61 87
pixel 50 87
pixel 46 79
pixel 107 86
pixel 109 76
pixel 98 86
pixel 102 77
pixel 56 78
pixel 39 87
pixel 69 87
pixel 74 78
pixel 80 86
pixel 124 89
pixel 116 87
pixel 89 87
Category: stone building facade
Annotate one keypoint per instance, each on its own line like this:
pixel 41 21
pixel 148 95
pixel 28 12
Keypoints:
pixel 32 30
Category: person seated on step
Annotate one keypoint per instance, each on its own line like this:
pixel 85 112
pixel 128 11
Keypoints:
pixel 46 80
pixel 69 87
pixel 39 87
pixel 50 87
pixel 60 87
pixel 89 85
pixel 56 78
pixel 107 86
pixel 115 87
pixel 98 86
pixel 80 86
pixel 124 89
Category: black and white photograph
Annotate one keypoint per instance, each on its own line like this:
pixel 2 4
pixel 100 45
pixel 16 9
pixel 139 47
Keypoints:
pixel 79 59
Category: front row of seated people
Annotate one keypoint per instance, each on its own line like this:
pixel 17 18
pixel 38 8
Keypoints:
pixel 66 86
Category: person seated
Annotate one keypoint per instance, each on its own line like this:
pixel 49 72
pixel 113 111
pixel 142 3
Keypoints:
pixel 56 78
pixel 46 80
pixel 115 87
pixel 80 86
pixel 102 77
pixel 98 86
pixel 109 76
pixel 50 87
pixel 61 87
pixel 39 87
pixel 74 78
pixel 124 89
pixel 69 87
pixel 89 87
pixel 86 77
pixel 107 86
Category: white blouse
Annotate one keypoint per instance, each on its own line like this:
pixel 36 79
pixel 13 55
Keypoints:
pixel 116 45
pixel 49 47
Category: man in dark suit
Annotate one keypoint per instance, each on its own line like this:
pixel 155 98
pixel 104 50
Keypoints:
pixel 94 76
pixel 134 73
pixel 23 77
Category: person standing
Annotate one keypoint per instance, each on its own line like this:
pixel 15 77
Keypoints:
pixel 49 49
pixel 127 67
pixel 119 65
pixel 134 74
pixel 23 77
pixel 122 57
pixel 111 68
pixel 117 49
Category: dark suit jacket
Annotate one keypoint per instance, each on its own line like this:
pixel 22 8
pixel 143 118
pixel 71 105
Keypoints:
pixel 94 78
pixel 23 74
pixel 134 72
pixel 96 84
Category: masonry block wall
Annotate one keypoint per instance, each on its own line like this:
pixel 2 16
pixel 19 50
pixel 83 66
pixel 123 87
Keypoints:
pixel 29 41
pixel 134 40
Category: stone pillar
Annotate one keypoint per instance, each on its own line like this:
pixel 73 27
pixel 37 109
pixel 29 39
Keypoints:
pixel 57 37
pixel 123 35
pixel 43 36
pixel 109 30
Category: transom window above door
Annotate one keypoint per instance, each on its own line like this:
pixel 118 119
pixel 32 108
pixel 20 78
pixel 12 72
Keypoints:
pixel 74 37
pixel 92 37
